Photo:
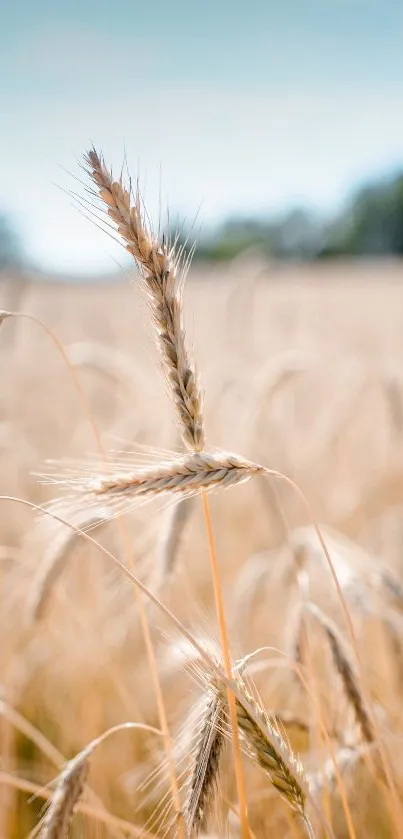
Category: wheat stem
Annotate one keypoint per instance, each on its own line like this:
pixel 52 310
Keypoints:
pixel 240 781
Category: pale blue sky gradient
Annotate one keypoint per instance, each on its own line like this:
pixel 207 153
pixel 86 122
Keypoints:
pixel 238 107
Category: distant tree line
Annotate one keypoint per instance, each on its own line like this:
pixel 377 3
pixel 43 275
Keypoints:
pixel 371 224
pixel 11 255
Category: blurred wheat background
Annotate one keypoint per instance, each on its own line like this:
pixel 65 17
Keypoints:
pixel 300 372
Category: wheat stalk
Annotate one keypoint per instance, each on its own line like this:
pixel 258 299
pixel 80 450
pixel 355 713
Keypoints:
pixel 206 756
pixel 164 275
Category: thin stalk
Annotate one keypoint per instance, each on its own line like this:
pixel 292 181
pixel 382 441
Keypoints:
pixel 308 827
pixel 239 776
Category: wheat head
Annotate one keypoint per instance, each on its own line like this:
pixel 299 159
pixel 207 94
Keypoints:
pixel 163 274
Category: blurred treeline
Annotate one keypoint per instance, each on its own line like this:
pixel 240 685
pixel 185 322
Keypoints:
pixel 11 252
pixel 370 224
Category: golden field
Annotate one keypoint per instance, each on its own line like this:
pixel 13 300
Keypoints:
pixel 301 371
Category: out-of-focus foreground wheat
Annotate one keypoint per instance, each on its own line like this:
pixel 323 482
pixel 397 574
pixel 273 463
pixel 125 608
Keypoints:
pixel 301 373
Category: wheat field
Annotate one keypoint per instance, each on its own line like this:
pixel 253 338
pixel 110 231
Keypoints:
pixel 300 372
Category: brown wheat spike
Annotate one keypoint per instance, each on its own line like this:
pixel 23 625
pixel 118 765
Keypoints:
pixel 163 273
pixel 206 758
pixel 269 749
pixel 54 561
pixel 346 670
pixel 69 789
pixel 183 476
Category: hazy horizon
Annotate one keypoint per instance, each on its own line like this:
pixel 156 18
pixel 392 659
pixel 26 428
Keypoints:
pixel 234 109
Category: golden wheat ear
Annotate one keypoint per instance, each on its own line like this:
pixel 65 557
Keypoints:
pixel 71 783
pixel 206 760
pixel 345 667
pixel 68 791
pixel 163 276
pixel 182 477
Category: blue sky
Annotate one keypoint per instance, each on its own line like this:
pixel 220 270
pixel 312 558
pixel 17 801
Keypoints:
pixel 235 107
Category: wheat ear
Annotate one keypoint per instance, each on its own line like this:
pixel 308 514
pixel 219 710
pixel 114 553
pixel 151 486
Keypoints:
pixel 346 670
pixel 184 476
pixel 269 749
pixel 54 561
pixel 163 274
pixel 67 794
pixel 71 783
pixel 206 758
